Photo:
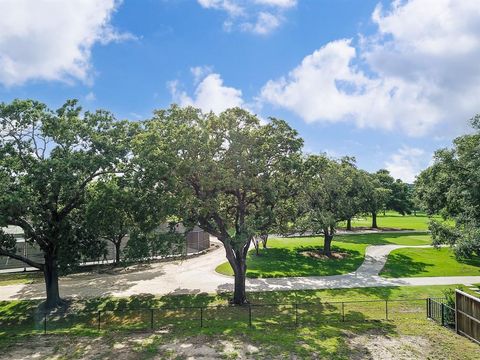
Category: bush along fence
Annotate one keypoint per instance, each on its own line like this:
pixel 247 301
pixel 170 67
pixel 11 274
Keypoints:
pixel 463 315
pixel 253 315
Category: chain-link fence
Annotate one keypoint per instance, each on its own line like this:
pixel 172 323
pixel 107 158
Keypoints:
pixel 251 315
pixel 194 242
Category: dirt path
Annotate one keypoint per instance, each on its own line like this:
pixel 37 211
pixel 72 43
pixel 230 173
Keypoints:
pixel 197 275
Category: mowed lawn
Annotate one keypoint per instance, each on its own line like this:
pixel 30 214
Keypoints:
pixel 412 262
pixel 320 332
pixel 394 220
pixel 285 256
pixel 20 278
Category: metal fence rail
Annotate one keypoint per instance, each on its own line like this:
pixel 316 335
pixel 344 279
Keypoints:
pixel 440 312
pixel 250 315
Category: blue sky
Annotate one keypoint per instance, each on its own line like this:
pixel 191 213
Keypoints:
pixel 386 82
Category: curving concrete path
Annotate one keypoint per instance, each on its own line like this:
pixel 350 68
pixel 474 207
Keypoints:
pixel 197 275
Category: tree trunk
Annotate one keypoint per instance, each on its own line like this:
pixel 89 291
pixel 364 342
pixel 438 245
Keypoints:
pixel 50 273
pixel 327 243
pixel 117 252
pixel 349 224
pixel 264 240
pixel 239 293
pixel 237 260
pixel 256 245
pixel 374 220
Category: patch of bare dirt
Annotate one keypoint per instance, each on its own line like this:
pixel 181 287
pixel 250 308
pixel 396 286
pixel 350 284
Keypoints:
pixel 200 348
pixel 131 346
pixel 317 255
pixel 385 347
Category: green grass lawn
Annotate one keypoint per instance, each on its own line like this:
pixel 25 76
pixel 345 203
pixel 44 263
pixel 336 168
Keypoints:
pixel 16 307
pixel 394 220
pixel 320 334
pixel 428 262
pixel 20 278
pixel 284 258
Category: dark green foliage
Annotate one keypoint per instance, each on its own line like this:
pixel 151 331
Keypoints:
pixel 451 187
pixel 230 173
pixel 142 247
pixel 47 160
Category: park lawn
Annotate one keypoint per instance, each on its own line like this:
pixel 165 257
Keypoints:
pixel 394 220
pixel 412 339
pixel 277 339
pixel 283 258
pixel 411 262
pixel 20 278
pixel 18 307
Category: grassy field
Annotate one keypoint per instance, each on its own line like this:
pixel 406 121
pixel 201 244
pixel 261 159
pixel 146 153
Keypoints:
pixel 273 335
pixel 285 256
pixel 20 278
pixel 428 262
pixel 394 220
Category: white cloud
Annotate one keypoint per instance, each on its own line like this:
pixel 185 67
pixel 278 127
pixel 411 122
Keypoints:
pixel 90 96
pixel 200 72
pixel 420 71
pixel 230 6
pixel 52 39
pixel 264 24
pixel 311 88
pixel 279 3
pixel 256 16
pixel 407 163
pixel 210 95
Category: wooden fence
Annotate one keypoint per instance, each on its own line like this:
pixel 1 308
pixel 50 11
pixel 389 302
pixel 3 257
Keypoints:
pixel 467 316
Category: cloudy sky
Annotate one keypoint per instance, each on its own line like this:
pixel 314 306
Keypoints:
pixel 385 81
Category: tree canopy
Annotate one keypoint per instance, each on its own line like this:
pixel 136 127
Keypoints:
pixel 327 196
pixel 48 159
pixel 72 179
pixel 230 170
pixel 451 187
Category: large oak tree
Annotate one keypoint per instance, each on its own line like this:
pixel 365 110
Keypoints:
pixel 326 195
pixel 231 172
pixel 47 160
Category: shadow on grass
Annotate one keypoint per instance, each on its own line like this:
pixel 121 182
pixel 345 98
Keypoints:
pixel 400 265
pixel 271 310
pixel 317 339
pixel 284 262
pixel 475 261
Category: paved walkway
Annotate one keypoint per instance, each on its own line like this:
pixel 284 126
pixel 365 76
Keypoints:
pixel 197 275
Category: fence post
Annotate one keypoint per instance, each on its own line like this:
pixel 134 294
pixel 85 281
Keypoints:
pixel 443 314
pixel 151 319
pixel 296 314
pixel 99 320
pixel 201 317
pixel 386 309
pixel 427 302
pixel 249 315
pixel 343 311
pixel 45 323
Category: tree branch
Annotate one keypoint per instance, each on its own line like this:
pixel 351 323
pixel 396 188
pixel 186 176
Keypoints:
pixel 75 198
pixel 21 258
pixel 28 230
